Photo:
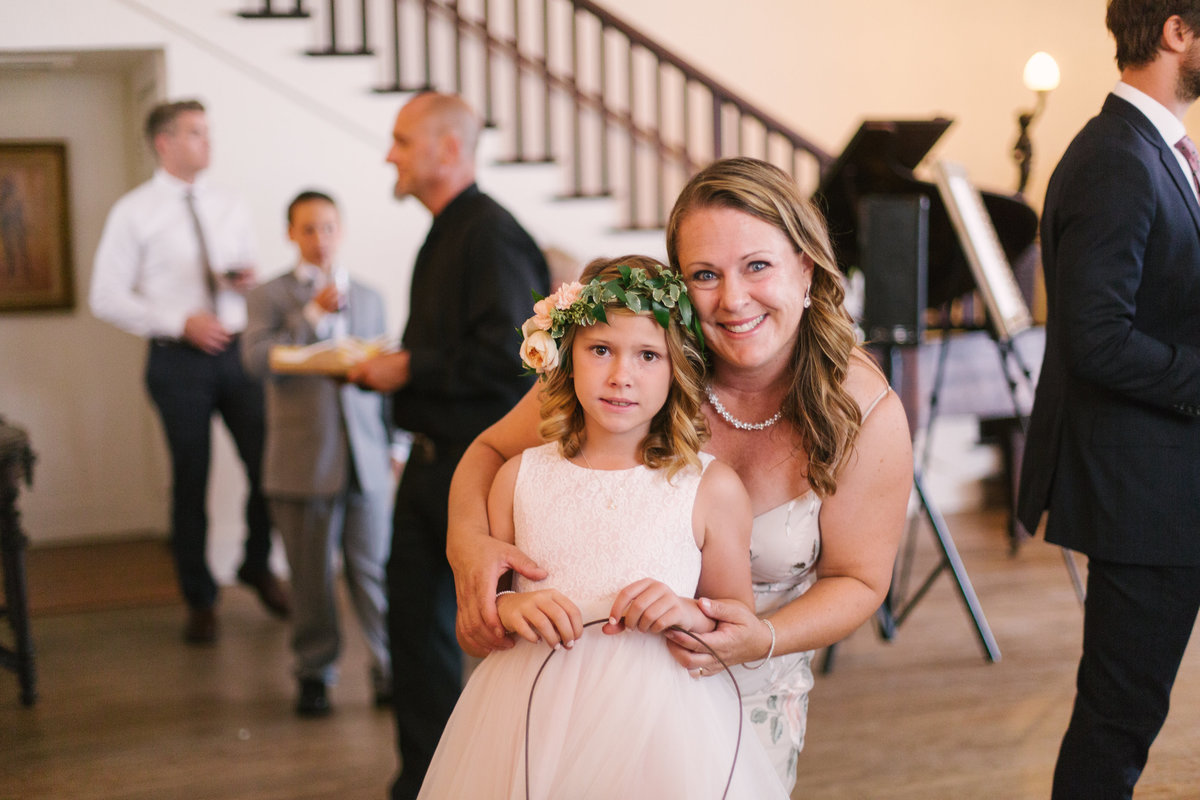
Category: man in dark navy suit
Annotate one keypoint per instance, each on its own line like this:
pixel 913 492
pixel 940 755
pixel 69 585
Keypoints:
pixel 1114 444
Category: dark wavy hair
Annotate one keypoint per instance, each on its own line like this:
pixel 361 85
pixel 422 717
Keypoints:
pixel 1137 25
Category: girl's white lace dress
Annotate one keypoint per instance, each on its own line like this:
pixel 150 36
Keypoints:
pixel 615 716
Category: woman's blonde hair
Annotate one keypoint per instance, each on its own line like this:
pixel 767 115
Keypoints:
pixel 677 431
pixel 817 403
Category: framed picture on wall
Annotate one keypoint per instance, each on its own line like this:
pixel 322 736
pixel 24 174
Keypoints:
pixel 35 227
pixel 994 278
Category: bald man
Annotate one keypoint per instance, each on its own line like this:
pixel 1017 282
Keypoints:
pixel 458 372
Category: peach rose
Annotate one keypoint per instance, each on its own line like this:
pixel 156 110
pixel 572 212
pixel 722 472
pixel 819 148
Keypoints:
pixel 541 312
pixel 539 352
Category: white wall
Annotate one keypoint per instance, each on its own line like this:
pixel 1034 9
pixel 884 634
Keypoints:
pixel 282 122
pixel 51 361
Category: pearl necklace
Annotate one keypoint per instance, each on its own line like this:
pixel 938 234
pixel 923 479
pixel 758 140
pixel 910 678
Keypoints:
pixel 734 421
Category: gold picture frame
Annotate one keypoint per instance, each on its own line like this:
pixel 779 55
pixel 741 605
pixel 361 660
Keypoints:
pixel 36 271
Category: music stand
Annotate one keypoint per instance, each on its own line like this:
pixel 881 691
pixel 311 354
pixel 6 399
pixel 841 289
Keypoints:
pixel 1007 313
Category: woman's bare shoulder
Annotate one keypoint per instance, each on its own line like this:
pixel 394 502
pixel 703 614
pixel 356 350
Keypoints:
pixel 864 379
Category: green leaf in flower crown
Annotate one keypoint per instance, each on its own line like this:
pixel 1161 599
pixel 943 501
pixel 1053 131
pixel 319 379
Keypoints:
pixel 536 296
pixel 685 310
pixel 657 293
pixel 597 312
pixel 624 270
pixel 673 291
pixel 660 313
pixel 617 291
pixel 634 302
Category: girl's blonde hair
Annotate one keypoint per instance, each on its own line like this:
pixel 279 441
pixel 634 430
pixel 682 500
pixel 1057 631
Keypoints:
pixel 817 403
pixel 678 430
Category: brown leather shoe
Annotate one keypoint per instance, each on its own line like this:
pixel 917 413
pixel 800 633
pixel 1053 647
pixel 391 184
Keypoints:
pixel 270 592
pixel 201 627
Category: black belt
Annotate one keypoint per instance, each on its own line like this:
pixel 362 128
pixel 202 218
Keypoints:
pixel 170 341
pixel 426 450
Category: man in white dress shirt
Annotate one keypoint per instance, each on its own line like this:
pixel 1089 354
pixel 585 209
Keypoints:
pixel 173 263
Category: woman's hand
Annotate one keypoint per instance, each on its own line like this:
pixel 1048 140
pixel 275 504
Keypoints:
pixel 740 636
pixel 651 606
pixel 477 570
pixel 544 615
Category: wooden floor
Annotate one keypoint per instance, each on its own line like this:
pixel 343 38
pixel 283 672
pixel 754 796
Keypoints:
pixel 127 711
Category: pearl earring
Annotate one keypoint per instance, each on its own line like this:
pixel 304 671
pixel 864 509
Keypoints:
pixel 807 299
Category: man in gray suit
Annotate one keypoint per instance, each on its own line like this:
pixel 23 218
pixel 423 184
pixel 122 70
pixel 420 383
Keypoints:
pixel 326 469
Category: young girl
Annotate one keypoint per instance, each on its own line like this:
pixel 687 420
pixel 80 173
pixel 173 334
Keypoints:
pixel 632 523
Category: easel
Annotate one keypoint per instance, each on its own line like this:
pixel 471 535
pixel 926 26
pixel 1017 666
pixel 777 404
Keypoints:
pixel 898 605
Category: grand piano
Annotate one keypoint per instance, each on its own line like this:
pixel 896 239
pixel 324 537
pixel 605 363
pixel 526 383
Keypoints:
pixel 880 160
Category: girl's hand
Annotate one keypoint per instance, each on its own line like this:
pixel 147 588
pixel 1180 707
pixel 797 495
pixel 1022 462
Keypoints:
pixel 477 569
pixel 651 606
pixel 546 615
pixel 740 636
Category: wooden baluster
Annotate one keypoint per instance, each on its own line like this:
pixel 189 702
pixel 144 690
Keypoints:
pixel 633 145
pixel 396 44
pixel 605 166
pixel 687 125
pixel 547 132
pixel 425 44
pixel 660 177
pixel 458 53
pixel 576 109
pixel 717 124
pixel 519 114
pixel 488 115
pixel 364 47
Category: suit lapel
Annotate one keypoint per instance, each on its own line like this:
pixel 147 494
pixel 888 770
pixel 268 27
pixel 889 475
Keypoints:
pixel 1166 155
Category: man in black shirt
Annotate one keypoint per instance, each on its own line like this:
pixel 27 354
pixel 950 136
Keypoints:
pixel 458 372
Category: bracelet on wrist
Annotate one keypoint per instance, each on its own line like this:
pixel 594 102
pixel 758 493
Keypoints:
pixel 770 650
pixel 504 591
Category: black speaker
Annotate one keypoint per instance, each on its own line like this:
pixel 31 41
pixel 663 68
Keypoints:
pixel 893 247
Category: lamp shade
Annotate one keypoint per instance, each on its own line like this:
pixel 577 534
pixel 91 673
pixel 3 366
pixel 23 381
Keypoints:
pixel 1041 72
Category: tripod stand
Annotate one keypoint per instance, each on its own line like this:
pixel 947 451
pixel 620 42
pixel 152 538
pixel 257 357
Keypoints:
pixel 898 605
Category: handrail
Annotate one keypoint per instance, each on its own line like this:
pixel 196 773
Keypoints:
pixel 651 162
pixel 695 73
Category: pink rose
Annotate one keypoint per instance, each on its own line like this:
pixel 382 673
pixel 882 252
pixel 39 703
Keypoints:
pixel 567 294
pixel 539 352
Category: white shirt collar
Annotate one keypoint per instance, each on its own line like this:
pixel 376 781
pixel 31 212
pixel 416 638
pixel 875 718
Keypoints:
pixel 1168 125
pixel 310 274
pixel 164 178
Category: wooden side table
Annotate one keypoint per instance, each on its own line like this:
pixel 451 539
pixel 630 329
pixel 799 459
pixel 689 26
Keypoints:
pixel 16 464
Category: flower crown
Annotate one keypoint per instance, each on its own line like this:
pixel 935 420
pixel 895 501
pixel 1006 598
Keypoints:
pixel 577 304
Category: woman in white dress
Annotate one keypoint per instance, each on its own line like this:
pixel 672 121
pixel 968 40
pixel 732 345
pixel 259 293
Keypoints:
pixel 794 406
